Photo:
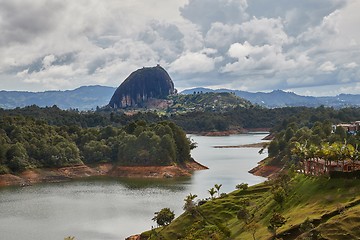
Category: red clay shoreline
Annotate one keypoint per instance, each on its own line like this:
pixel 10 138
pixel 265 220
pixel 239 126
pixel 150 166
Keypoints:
pixel 33 176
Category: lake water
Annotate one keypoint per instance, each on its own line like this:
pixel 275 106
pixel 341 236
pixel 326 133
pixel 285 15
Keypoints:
pixel 109 209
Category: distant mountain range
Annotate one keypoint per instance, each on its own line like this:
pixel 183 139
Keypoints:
pixel 82 98
pixel 89 97
pixel 279 98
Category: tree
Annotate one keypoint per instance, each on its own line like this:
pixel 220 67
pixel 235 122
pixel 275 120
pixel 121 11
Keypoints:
pixel 276 221
pixel 348 152
pixel 300 150
pixel 244 201
pixel 337 150
pixel 340 131
pixel 96 151
pixel 273 148
pixel 167 148
pixel 244 214
pixel 212 191
pixel 164 217
pixel 17 157
pixel 279 195
pixel 190 205
pixel 218 186
pixel 242 186
pixel 326 154
pixel 289 134
pixel 354 155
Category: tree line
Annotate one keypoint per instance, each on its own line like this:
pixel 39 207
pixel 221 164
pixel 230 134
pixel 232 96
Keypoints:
pixel 26 143
pixel 195 121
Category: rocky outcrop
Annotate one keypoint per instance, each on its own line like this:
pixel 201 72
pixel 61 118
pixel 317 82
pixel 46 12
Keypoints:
pixel 141 86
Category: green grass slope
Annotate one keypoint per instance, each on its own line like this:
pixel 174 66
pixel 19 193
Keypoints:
pixel 332 207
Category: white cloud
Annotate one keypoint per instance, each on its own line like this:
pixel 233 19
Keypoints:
pixel 327 67
pixel 206 12
pixel 265 30
pixel 254 45
pixel 193 62
pixel 48 60
pixel 351 65
pixel 266 58
pixel 222 35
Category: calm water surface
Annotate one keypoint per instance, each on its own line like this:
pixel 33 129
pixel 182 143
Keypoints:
pixel 109 209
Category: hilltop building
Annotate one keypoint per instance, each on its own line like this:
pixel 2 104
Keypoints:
pixel 351 128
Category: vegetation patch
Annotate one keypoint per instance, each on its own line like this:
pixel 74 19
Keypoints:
pixel 250 213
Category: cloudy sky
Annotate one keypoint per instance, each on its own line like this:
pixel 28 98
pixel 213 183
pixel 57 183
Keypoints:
pixel 310 47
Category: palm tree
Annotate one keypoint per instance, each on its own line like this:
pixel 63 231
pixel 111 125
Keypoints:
pixel 312 155
pixel 218 188
pixel 301 151
pixel 336 151
pixel 356 156
pixel 296 151
pixel 212 191
pixel 326 154
pixel 343 152
pixel 190 205
pixel 350 153
pixel 190 197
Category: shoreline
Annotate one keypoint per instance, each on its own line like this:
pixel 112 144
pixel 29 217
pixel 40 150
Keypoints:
pixel 252 145
pixel 232 132
pixel 48 175
pixel 263 170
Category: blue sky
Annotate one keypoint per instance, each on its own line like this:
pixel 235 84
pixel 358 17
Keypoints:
pixel 308 47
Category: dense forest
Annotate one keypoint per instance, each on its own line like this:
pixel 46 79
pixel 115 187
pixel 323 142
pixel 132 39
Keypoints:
pixel 33 137
pixel 258 117
pixel 29 143
pixel 196 121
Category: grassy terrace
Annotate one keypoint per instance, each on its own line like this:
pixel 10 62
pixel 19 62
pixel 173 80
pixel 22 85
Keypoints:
pixel 332 205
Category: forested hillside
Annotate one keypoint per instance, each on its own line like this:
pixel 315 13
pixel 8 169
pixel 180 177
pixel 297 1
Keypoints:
pixel 28 143
pixel 258 117
pixel 195 121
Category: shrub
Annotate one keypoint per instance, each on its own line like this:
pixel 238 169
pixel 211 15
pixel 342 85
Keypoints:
pixel 4 169
pixel 164 217
pixel 242 186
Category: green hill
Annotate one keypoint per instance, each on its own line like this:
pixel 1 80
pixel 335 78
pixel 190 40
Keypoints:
pixel 314 208
pixel 207 101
